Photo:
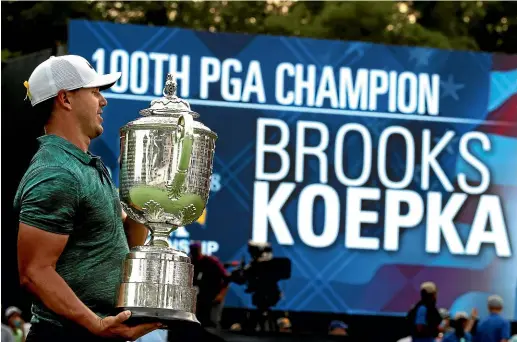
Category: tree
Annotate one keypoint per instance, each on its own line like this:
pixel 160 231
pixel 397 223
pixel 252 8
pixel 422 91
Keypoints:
pixel 488 26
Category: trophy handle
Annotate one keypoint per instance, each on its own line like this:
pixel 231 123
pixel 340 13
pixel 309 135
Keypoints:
pixel 184 140
pixel 185 136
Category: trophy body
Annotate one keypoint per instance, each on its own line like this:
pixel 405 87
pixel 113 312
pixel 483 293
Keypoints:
pixel 165 172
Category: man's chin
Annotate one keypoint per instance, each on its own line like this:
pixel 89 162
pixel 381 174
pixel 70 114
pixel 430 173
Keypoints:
pixel 97 132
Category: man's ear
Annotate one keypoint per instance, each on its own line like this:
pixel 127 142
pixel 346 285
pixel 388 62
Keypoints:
pixel 63 100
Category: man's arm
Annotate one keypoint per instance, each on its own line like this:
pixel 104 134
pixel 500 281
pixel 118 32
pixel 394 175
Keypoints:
pixel 136 233
pixel 472 320
pixel 421 320
pixel 225 277
pixel 38 252
pixel 505 333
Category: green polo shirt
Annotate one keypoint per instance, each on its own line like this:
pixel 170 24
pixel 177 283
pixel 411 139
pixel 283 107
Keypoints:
pixel 67 191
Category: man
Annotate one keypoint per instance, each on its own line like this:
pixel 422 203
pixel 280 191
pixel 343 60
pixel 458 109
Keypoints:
pixel 284 325
pixel 73 234
pixel 445 325
pixel 424 317
pixel 459 333
pixel 211 280
pixel 338 328
pixel 20 328
pixel 493 328
pixel 7 334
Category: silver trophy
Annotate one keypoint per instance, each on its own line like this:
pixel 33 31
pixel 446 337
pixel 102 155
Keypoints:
pixel 165 171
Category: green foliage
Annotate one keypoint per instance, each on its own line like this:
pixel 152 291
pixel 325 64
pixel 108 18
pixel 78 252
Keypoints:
pixel 488 26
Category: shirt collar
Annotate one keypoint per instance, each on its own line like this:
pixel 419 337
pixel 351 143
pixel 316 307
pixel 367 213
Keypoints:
pixel 67 146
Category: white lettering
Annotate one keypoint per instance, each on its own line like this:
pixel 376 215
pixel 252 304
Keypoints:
pixel 278 148
pixel 269 210
pixel 351 94
pixel 476 163
pixel 210 73
pixel 281 70
pixel 440 221
pixel 182 75
pixel 139 73
pixel 407 92
pixel 317 151
pixel 254 83
pixel 355 216
pixel 340 153
pixel 119 62
pixel 307 84
pixel 327 88
pixel 429 94
pixel 378 86
pixel 231 87
pixel 393 218
pixel 410 157
pixel 159 59
pixel 330 218
pixel 429 160
pixel 489 213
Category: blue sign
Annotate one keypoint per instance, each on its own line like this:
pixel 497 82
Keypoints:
pixel 373 168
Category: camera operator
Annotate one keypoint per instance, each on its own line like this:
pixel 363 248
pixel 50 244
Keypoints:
pixel 261 276
pixel 211 281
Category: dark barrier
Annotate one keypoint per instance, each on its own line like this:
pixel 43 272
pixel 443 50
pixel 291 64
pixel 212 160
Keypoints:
pixel 282 337
pixel 18 146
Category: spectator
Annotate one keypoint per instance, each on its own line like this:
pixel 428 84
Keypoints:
pixel 493 328
pixel 17 324
pixel 458 334
pixel 284 325
pixel 445 326
pixel 211 281
pixel 236 327
pixel 472 323
pixel 338 328
pixel 424 318
pixel 7 334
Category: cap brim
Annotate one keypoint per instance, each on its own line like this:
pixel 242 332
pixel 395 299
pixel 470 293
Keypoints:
pixel 104 82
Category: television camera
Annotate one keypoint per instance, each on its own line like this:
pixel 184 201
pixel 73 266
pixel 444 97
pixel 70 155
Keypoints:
pixel 261 276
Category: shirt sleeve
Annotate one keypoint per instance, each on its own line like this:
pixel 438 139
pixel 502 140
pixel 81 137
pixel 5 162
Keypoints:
pixel 49 200
pixel 505 332
pixel 421 316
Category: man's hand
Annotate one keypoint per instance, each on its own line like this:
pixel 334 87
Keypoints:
pixel 474 313
pixel 114 327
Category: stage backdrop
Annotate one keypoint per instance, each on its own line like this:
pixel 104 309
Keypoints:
pixel 372 167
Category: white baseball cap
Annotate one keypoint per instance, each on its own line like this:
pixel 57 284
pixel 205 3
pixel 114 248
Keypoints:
pixel 12 310
pixel 429 287
pixel 67 72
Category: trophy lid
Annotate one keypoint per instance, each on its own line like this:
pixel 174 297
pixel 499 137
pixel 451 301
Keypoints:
pixel 170 104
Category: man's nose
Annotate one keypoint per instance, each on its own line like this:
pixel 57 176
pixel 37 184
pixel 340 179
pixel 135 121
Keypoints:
pixel 103 101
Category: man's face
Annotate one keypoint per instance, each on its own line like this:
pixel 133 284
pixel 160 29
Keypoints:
pixel 338 332
pixel 15 321
pixel 87 104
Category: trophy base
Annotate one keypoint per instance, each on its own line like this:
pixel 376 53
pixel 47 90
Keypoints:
pixel 169 318
pixel 157 287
